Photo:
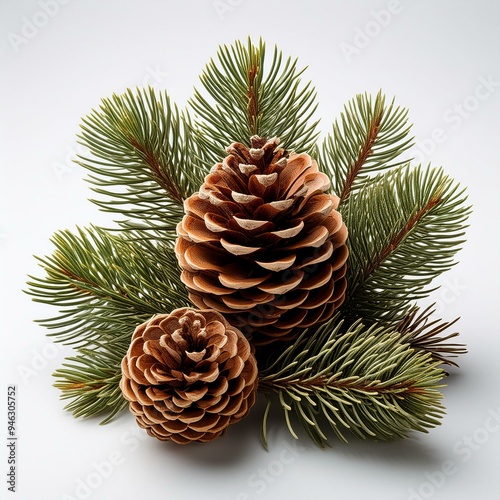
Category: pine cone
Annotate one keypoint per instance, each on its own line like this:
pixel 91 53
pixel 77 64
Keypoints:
pixel 188 375
pixel 262 243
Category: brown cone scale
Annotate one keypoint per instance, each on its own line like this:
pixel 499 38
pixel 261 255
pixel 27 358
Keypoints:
pixel 262 242
pixel 188 375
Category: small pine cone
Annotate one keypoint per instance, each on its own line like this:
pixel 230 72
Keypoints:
pixel 262 242
pixel 188 375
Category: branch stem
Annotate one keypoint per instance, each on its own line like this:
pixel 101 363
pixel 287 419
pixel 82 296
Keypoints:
pixel 364 153
pixel 165 181
pixel 399 236
pixel 322 382
pixel 253 110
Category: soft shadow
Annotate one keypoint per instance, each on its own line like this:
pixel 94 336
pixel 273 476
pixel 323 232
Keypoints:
pixel 412 451
pixel 241 444
pixel 240 440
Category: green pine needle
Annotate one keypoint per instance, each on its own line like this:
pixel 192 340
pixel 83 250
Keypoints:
pixel 369 137
pixel 143 160
pixel 245 96
pixel 91 380
pixel 105 284
pixel 421 332
pixel 405 227
pixel 366 381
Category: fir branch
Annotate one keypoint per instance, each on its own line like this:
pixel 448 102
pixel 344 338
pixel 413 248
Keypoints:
pixel 105 284
pixel 365 380
pixel 144 159
pixel 375 377
pixel 368 138
pixel 92 381
pixel 421 333
pixel 405 228
pixel 246 98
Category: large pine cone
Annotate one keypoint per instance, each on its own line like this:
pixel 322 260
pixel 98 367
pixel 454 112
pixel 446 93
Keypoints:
pixel 188 375
pixel 262 242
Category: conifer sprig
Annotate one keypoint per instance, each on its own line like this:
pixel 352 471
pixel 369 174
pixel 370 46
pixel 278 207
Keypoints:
pixel 91 381
pixel 370 136
pixel 142 159
pixel 104 285
pixel 364 380
pixel 373 369
pixel 424 333
pixel 245 97
pixel 405 227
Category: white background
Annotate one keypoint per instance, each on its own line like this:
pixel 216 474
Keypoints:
pixel 57 63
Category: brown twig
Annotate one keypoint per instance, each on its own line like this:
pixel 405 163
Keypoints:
pixel 322 381
pixel 252 96
pixel 365 151
pixel 164 180
pixel 424 335
pixel 398 237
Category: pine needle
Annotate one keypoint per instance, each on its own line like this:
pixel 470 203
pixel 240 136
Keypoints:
pixel 373 384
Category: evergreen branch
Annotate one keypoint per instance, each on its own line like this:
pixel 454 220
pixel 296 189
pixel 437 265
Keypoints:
pixel 365 380
pixel 420 333
pixel 368 138
pixel 373 369
pixel 105 284
pixel 91 380
pixel 246 98
pixel 405 228
pixel 143 159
